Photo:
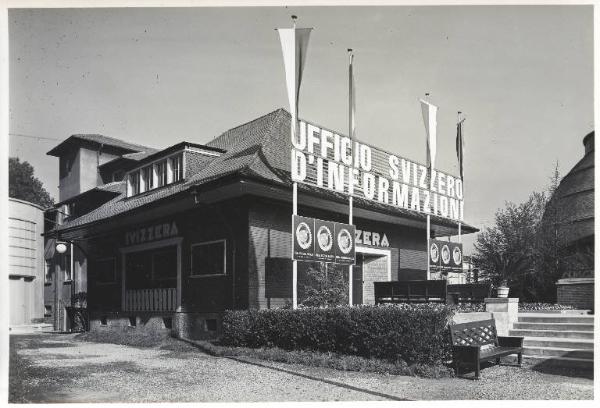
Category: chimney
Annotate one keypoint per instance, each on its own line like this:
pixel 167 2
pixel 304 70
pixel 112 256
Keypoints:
pixel 588 142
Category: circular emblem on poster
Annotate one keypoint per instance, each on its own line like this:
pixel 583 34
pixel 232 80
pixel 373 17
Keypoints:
pixel 303 235
pixel 434 253
pixel 344 241
pixel 324 238
pixel 457 255
pixel 445 254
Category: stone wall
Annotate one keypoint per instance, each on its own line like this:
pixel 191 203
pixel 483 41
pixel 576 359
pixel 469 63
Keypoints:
pixel 577 292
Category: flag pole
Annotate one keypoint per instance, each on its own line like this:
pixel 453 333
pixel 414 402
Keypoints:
pixel 462 179
pixel 294 205
pixel 350 198
pixel 428 215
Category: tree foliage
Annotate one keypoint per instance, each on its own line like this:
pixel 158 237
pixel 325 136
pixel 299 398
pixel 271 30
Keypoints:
pixel 23 185
pixel 522 248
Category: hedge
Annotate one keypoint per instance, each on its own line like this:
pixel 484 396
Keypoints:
pixel 412 333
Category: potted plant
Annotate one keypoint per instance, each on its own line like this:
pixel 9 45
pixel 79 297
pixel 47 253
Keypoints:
pixel 502 289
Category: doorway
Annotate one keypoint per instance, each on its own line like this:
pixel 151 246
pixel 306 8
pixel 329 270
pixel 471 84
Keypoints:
pixel 372 265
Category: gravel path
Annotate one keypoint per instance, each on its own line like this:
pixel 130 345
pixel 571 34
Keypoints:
pixel 59 368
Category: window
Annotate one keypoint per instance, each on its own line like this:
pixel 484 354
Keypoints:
pixel 47 310
pixel 134 183
pixel 148 177
pixel 155 175
pixel 177 167
pixel 66 265
pixel 208 258
pixel 161 173
pixel 210 324
pixel 105 270
pixel 164 263
pixel 156 268
pixel 48 272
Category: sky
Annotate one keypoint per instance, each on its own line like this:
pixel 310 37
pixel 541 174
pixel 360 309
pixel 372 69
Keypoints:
pixel 522 76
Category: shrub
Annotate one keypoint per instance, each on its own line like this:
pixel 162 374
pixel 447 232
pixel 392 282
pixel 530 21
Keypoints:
pixel 329 360
pixel 413 333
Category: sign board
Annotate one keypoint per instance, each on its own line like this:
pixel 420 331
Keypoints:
pixel 345 245
pixel 323 241
pixel 445 254
pixel 151 233
pixel 327 160
pixel 304 238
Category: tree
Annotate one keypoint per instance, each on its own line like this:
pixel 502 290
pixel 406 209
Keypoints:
pixel 23 185
pixel 506 253
pixel 523 248
pixel 324 285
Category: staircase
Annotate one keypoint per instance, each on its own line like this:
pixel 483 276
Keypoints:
pixel 564 339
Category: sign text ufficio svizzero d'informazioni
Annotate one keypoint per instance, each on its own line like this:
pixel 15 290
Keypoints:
pixel 327 160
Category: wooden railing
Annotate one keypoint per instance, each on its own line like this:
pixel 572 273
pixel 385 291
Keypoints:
pixel 430 291
pixel 151 300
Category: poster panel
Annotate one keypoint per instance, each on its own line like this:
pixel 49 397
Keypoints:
pixel 304 238
pixel 457 255
pixel 445 254
pixel 324 241
pixel 345 249
pixel 434 253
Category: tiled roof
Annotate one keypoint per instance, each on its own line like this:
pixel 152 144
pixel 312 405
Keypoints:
pixel 100 139
pixel 261 149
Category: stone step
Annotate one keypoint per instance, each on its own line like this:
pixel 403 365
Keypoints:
pixel 559 343
pixel 545 361
pixel 554 326
pixel 558 352
pixel 552 333
pixel 559 312
pixel 545 318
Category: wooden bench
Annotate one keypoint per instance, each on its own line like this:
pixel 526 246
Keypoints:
pixel 469 292
pixel 476 342
pixel 410 291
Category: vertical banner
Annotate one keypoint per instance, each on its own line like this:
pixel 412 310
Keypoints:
pixel 345 248
pixel 429 112
pixel 294 44
pixel 324 241
pixel 304 238
pixel 351 98
pixel 460 146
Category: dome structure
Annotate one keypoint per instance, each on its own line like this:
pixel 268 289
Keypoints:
pixel 573 201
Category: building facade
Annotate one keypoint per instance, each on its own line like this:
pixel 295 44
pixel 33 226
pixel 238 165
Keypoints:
pixel 26 267
pixel 177 236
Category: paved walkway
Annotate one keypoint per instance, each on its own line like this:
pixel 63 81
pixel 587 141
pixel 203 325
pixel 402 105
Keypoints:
pixel 59 368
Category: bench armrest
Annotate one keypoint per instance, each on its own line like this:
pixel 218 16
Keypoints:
pixel 510 341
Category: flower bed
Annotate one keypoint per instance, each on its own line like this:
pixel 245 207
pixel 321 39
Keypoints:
pixel 412 333
pixel 525 307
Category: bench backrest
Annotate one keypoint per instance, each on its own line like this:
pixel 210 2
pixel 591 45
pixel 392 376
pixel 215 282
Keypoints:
pixel 474 333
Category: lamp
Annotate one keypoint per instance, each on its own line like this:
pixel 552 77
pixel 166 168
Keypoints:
pixel 61 247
